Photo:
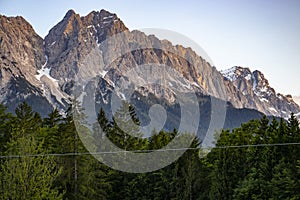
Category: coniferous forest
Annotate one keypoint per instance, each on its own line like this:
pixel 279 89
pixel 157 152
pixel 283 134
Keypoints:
pixel 43 158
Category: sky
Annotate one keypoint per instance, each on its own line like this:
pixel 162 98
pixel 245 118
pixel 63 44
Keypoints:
pixel 259 34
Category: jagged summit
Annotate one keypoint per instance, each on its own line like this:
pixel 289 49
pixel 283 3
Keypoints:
pixel 70 13
pixel 244 78
pixel 78 35
pixel 45 68
pixel 256 79
pixel 255 85
pixel 21 54
pixel 235 72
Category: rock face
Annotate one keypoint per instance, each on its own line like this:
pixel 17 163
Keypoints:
pixel 71 40
pixel 99 45
pixel 255 87
pixel 21 55
pixel 77 45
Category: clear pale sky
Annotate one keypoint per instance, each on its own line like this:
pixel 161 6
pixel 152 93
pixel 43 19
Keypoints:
pixel 259 34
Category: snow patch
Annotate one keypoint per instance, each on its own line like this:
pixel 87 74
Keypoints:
pixel 273 109
pixel 196 84
pixel 103 73
pixel 188 85
pixel 111 83
pixel 49 83
pixel 122 96
pixel 264 89
pixel 248 77
pixel 92 26
pixel 229 73
pixel 111 16
pixel 264 100
pixel 45 72
pixel 97 42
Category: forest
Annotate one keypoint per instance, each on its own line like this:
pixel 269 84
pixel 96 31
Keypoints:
pixel 43 158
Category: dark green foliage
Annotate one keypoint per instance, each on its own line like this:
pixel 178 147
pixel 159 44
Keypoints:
pixel 257 172
pixel 27 176
pixel 234 170
pixel 5 128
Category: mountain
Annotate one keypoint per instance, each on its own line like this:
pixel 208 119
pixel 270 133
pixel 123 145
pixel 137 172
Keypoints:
pixel 21 54
pixel 99 53
pixel 255 87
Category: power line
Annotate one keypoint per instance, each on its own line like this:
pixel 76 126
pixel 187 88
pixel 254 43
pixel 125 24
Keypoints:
pixel 257 145
pixel 145 151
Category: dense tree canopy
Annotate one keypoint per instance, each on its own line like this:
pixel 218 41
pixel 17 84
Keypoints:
pixel 45 159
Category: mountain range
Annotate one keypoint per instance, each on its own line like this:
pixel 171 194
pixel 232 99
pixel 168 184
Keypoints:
pixel 45 71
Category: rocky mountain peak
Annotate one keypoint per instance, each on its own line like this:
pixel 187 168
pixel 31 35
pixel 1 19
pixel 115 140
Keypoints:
pixel 21 48
pixel 236 72
pixel 245 77
pixel 69 14
pixel 15 22
pixel 21 54
pixel 77 36
pixel 255 86
pixel 260 83
pixel 74 48
pixel 66 26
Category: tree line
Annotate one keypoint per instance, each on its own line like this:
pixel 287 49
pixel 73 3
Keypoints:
pixel 43 158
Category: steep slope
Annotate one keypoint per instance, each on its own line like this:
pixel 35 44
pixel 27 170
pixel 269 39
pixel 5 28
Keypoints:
pixel 100 47
pixel 256 87
pixel 21 54
pixel 77 46
pixel 71 40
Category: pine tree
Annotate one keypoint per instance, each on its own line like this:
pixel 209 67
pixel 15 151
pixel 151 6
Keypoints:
pixel 283 184
pixel 29 175
pixel 125 131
